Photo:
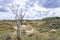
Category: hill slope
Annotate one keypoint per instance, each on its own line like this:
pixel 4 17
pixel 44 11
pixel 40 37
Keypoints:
pixel 45 29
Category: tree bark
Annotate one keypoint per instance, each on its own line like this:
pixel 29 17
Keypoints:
pixel 18 30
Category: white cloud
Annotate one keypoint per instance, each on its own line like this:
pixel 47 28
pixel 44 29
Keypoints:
pixel 34 12
pixel 7 15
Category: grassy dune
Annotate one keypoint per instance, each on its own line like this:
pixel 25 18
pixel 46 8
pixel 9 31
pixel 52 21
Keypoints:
pixel 45 29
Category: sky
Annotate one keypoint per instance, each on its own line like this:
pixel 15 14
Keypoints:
pixel 33 9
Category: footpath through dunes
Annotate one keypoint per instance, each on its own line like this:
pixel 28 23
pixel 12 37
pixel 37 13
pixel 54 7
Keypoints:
pixel 26 28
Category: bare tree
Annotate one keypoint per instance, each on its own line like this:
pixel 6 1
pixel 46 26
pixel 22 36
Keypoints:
pixel 19 17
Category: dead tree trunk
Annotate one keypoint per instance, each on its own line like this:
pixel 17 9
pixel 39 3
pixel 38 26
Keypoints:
pixel 18 28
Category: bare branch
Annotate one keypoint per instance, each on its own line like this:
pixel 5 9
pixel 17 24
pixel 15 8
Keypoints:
pixel 14 11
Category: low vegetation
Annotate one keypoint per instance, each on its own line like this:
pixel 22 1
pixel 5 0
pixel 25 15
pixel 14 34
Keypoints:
pixel 45 29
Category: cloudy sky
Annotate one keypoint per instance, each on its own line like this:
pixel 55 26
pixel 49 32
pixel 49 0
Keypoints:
pixel 33 9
